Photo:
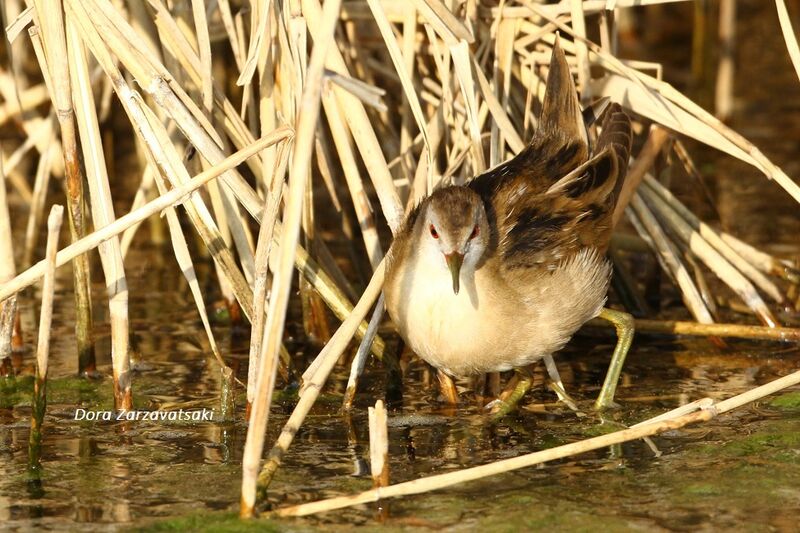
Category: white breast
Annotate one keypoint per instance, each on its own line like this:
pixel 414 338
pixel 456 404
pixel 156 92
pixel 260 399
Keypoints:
pixel 489 327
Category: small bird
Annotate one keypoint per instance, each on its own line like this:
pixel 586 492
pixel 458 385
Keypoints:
pixel 499 273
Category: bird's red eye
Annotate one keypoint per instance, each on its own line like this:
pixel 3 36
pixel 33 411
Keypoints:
pixel 434 233
pixel 475 232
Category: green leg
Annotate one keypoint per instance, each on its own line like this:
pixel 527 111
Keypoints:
pixel 623 323
pixel 502 407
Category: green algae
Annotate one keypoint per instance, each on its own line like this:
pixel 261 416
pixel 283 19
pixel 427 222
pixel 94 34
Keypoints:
pixel 212 522
pixel 789 401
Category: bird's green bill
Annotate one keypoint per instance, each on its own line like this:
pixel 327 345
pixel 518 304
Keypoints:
pixel 454 261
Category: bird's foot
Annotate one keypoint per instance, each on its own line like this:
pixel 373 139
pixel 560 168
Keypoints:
pixel 558 388
pixel 501 407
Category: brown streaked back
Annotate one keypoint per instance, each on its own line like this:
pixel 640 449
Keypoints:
pixel 540 213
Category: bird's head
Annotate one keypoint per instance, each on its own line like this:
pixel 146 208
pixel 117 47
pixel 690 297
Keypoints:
pixel 453 229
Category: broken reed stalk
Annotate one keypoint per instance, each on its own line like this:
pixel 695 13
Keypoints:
pixel 281 283
pixel 174 197
pixel 378 445
pixel 39 400
pixel 102 215
pixel 707 411
pixel 51 20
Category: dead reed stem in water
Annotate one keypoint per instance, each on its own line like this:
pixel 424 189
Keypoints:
pixel 708 410
pixel 360 359
pixel 378 445
pixel 51 19
pixel 39 402
pixel 281 283
pixel 102 214
pixel 741 331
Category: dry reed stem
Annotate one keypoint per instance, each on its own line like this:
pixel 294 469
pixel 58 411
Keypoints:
pixel 39 399
pixel 723 91
pixel 20 22
pixel 669 258
pixel 174 197
pixel 363 133
pixel 463 67
pixel 788 35
pixel 581 50
pixel 378 445
pixel 48 289
pixel 405 80
pixel 7 271
pixel 708 255
pixel 265 239
pixel 165 159
pixel 30 98
pixel 152 75
pixel 442 20
pixel 160 85
pixel 281 283
pixel 741 331
pixel 260 19
pixel 590 7
pixel 643 163
pixel 708 410
pixel 360 359
pixel 204 45
pixel 40 183
pixel 761 260
pixel 102 215
pixel 714 239
pixel 51 20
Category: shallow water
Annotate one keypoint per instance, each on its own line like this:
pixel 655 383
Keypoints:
pixel 739 471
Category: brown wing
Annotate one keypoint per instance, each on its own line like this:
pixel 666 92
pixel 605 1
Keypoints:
pixel 551 199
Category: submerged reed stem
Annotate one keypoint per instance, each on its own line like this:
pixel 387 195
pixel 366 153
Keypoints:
pixel 39 401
